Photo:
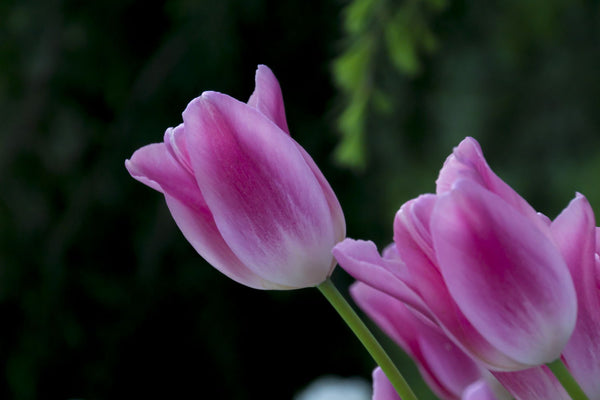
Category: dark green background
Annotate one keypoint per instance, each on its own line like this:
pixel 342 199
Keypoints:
pixel 100 295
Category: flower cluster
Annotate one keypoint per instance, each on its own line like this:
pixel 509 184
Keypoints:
pixel 479 288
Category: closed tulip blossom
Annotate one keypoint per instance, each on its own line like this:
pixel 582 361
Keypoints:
pixel 246 196
pixel 480 263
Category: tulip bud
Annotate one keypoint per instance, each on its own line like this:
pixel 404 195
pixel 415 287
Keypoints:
pixel 245 195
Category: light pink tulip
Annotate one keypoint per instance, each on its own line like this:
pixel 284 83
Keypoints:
pixel 577 236
pixel 480 263
pixel 246 196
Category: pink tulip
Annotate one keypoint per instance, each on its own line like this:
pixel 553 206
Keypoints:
pixel 480 263
pixel 245 195
pixel 577 236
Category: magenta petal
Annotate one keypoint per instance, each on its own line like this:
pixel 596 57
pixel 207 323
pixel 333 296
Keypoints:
pixel 267 97
pixel 266 201
pixel 467 162
pixel 198 227
pixel 505 275
pixel 414 246
pixel 335 209
pixel 154 166
pixel 175 141
pixel 575 233
pixel 450 366
pixel 382 387
pixel 411 231
pixel 532 384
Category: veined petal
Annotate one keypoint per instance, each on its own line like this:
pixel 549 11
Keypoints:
pixel 574 231
pixel 266 202
pixel 267 97
pixel 532 384
pixel 382 387
pixel 506 276
pixel 198 227
pixel 155 166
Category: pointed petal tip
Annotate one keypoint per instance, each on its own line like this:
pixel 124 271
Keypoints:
pixel 138 175
pixel 262 68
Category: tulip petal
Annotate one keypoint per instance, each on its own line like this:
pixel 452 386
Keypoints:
pixel 175 141
pixel 414 245
pixel 411 231
pixel 198 227
pixel 267 97
pixel 335 209
pixel 382 387
pixel 506 276
pixel 574 231
pixel 467 162
pixel 155 166
pixel 532 384
pixel 267 203
pixel 362 260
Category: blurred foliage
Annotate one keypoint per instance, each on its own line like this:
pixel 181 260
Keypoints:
pixel 520 77
pixel 100 294
pixel 377 31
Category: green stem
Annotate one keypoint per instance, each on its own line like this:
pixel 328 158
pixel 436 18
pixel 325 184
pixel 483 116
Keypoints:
pixel 566 380
pixel 367 339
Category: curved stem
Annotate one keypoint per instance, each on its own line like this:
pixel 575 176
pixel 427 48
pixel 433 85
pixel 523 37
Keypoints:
pixel 367 339
pixel 566 380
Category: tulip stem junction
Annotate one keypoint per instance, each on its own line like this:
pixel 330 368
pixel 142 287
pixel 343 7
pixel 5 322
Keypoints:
pixel 367 339
pixel 566 380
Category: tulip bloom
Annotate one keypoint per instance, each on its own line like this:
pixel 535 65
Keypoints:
pixel 480 263
pixel 245 195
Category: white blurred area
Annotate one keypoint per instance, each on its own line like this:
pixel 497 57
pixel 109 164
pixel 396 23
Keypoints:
pixel 336 388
